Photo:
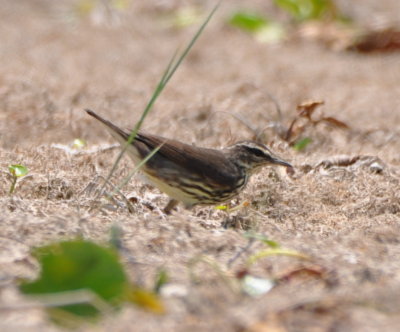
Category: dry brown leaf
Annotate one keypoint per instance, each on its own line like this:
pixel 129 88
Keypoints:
pixel 309 272
pixel 335 122
pixel 304 119
pixel 386 40
pixel 306 109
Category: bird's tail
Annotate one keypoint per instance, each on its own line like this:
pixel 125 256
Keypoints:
pixel 121 135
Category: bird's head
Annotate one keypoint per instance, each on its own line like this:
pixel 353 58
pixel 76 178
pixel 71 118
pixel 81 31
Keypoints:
pixel 250 155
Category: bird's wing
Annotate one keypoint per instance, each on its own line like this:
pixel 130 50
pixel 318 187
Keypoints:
pixel 203 162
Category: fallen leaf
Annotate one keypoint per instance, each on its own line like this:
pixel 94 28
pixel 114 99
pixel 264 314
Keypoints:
pixel 386 40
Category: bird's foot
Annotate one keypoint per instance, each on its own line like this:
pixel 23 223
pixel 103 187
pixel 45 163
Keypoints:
pixel 170 206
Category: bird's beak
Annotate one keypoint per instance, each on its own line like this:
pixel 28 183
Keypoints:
pixel 277 161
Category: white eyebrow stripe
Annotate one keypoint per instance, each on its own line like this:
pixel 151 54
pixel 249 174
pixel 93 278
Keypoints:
pixel 253 145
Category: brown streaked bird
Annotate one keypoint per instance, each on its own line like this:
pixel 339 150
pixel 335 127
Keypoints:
pixel 195 175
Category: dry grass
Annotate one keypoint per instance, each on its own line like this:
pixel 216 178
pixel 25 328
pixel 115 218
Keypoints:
pixel 346 215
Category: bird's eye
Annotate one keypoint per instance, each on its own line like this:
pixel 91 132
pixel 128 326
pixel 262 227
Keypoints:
pixel 257 152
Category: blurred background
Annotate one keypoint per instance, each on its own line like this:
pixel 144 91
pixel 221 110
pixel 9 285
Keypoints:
pixel 59 57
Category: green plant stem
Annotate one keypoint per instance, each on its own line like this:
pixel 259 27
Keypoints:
pixel 13 183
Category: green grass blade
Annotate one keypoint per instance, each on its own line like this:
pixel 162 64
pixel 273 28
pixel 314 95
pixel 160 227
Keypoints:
pixel 167 75
pixel 135 169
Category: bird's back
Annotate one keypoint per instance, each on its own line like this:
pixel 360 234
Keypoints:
pixel 201 164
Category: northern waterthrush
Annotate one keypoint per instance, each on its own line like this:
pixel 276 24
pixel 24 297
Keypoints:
pixel 195 175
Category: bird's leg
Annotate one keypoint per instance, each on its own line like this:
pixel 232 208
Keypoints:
pixel 170 206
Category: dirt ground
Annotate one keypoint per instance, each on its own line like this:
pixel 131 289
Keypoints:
pixel 57 61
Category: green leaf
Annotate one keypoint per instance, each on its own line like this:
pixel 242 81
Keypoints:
pixel 263 29
pixel 247 21
pixel 303 10
pixel 18 170
pixel 79 265
pixel 302 144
